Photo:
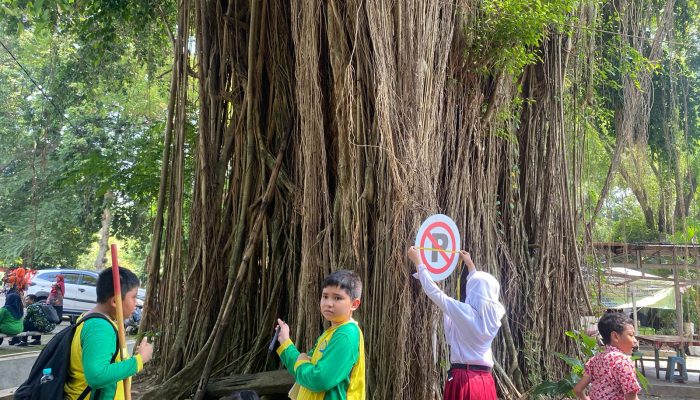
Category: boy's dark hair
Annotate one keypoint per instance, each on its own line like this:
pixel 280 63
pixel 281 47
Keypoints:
pixel 31 297
pixel 613 322
pixel 243 395
pixel 105 283
pixel 346 280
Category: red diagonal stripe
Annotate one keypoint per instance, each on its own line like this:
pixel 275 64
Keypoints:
pixel 435 245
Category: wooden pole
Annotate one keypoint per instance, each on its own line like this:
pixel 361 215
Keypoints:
pixel 634 308
pixel 634 292
pixel 679 302
pixel 120 316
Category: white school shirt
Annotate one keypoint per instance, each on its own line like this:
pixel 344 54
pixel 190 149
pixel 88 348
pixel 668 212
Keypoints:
pixel 465 331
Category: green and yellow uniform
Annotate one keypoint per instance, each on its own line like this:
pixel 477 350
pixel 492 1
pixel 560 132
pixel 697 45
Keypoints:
pixel 36 320
pixel 337 367
pixel 92 349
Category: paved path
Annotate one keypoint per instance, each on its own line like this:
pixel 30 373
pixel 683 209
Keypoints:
pixel 15 362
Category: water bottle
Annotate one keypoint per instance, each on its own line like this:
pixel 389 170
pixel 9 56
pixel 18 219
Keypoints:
pixel 47 377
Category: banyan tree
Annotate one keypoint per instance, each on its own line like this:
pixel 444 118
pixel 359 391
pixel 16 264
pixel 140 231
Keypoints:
pixel 306 136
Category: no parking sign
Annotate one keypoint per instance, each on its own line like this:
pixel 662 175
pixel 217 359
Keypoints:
pixel 438 242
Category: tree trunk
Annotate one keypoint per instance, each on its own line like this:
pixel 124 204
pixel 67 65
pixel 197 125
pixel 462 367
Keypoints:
pixel 264 383
pixel 103 243
pixel 388 122
pixel 632 118
pixel 641 194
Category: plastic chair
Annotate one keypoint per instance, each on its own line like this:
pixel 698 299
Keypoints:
pixel 671 365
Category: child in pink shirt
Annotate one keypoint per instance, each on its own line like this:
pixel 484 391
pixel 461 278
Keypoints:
pixel 611 373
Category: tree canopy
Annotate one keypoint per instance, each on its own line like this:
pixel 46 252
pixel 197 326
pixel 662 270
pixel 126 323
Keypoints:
pixel 82 117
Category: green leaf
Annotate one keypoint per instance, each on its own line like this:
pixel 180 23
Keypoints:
pixel 15 12
pixel 572 362
pixel 561 387
pixel 546 388
pixel 642 380
pixel 572 334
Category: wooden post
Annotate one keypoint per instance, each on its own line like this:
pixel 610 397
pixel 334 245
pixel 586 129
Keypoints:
pixel 634 308
pixel 679 302
pixel 120 317
pixel 634 292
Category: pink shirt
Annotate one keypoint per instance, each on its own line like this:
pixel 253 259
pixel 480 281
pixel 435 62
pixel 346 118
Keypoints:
pixel 612 375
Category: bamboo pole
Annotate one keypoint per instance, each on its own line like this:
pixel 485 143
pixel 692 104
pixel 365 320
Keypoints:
pixel 120 316
pixel 634 291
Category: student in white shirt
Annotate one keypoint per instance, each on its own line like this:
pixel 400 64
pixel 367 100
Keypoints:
pixel 470 327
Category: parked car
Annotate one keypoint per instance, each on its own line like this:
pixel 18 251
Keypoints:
pixel 80 293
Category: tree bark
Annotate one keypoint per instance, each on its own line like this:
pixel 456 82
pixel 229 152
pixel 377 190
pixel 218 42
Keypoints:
pixel 263 383
pixel 388 123
pixel 641 194
pixel 103 242
pixel 633 116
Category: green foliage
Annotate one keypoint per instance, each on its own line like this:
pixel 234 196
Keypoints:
pixel 565 386
pixel 670 152
pixel 666 322
pixel 624 219
pixel 686 235
pixel 101 30
pixel 99 131
pixel 130 256
pixel 505 35
pixel 691 306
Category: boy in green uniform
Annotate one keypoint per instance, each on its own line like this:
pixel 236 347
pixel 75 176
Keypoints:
pixel 335 366
pixel 35 320
pixel 95 342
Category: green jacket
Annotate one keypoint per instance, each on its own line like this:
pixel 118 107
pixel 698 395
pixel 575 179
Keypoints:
pixel 9 325
pixel 93 345
pixel 35 319
pixel 331 374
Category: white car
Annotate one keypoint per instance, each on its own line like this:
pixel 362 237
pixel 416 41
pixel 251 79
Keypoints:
pixel 80 293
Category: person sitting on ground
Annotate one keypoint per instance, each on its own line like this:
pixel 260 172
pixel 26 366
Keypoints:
pixel 58 290
pixel 35 320
pixel 611 372
pixel 95 342
pixel 335 366
pixel 470 328
pixel 11 316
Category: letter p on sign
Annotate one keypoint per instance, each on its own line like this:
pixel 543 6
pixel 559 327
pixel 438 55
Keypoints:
pixel 438 242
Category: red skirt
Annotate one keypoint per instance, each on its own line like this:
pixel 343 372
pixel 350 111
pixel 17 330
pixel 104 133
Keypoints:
pixel 470 385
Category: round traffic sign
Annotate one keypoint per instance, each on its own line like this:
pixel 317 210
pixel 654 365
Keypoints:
pixel 438 242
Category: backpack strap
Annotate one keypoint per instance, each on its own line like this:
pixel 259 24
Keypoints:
pixel 87 390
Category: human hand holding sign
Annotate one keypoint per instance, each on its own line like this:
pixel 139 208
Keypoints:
pixel 414 256
pixel 467 259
